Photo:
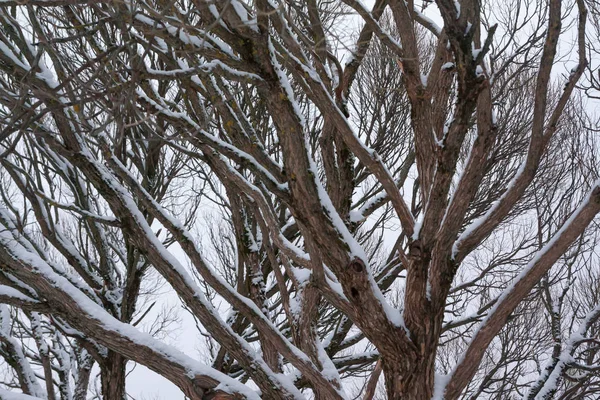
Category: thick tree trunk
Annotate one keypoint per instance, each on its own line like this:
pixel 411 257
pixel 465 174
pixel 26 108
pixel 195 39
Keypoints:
pixel 416 384
pixel 113 377
pixel 423 316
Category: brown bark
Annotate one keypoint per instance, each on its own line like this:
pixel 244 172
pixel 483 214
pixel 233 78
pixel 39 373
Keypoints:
pixel 372 382
pixel 284 183
pixel 81 386
pixel 112 376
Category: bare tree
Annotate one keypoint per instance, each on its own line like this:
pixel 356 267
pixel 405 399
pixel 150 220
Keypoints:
pixel 411 201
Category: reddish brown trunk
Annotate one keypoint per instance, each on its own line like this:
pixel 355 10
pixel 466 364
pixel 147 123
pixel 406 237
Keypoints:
pixel 410 385
pixel 423 318
pixel 113 377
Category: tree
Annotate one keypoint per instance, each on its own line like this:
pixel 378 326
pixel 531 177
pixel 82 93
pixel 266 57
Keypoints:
pixel 418 204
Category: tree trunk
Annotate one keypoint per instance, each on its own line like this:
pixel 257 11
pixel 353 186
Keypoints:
pixel 113 377
pixel 423 317
pixel 410 385
pixel 81 386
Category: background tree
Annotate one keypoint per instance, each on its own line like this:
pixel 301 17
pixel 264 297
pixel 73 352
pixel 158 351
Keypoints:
pixel 406 200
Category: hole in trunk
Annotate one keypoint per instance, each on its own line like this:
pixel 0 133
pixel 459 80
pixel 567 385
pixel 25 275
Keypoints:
pixel 357 265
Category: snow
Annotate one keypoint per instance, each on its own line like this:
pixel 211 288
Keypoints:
pixel 8 52
pixel 223 287
pixel 299 253
pixel 162 45
pixel 15 294
pixel 432 24
pixel 439 386
pixel 393 314
pixel 29 375
pixel 531 264
pixel 46 75
pixel 240 10
pixel 96 312
pixel 215 12
pixel 21 240
pixel 481 220
pixel 468 29
pixel 243 14
pixel 367 13
pixel 418 226
pixel 208 41
pixel 302 275
pixel 357 216
pixel 355 249
pixel 285 83
pixel 311 72
pixel 551 375
pixel 36 329
pixel 215 140
pixel 8 395
pixel 291 222
pixel 479 71
pixel 148 21
pixel 428 288
pixel 459 177
pixel 336 287
pixel 210 66
pixel 329 370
